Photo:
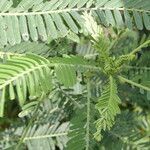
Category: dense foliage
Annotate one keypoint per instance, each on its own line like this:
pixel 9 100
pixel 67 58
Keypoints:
pixel 74 75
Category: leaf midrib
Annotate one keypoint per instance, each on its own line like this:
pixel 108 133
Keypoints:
pixel 7 82
pixel 71 9
pixel 45 136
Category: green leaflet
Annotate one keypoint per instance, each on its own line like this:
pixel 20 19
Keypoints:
pixel 66 75
pixel 108 107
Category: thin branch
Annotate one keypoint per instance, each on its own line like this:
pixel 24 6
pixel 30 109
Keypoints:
pixel 88 115
pixel 138 68
pixel 139 48
pixel 134 83
pixel 45 136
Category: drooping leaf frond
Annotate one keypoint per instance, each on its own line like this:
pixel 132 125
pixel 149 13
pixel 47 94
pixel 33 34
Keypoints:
pixel 40 137
pixel 107 107
pixel 31 74
pixel 36 19
pixel 47 136
pixel 123 13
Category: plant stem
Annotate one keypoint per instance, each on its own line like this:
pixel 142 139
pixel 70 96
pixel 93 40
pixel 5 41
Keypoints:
pixel 134 84
pixel 138 68
pixel 139 48
pixel 46 136
pixel 88 115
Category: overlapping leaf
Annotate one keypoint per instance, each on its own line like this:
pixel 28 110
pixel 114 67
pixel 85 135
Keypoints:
pixel 22 76
pixel 36 19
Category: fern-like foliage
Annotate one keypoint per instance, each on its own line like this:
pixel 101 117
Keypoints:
pixel 81 132
pixel 23 48
pixel 51 49
pixel 44 136
pixel 47 136
pixel 48 128
pixel 108 107
pixel 36 19
pixel 64 79
pixel 113 16
pixel 129 132
pixel 82 126
pixel 31 75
